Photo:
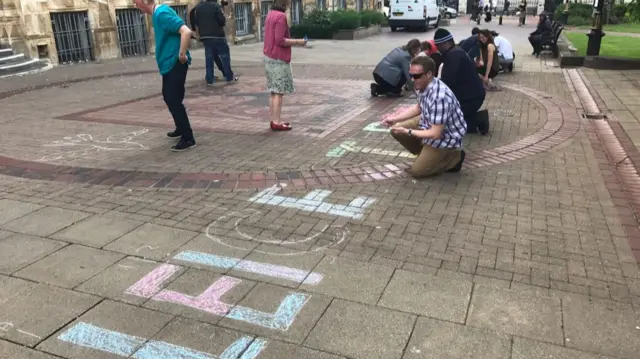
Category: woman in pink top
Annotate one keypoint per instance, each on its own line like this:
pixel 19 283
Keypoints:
pixel 277 61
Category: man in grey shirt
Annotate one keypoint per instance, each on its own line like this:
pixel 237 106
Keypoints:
pixel 393 71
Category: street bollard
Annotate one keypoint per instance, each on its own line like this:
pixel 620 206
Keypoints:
pixel 500 20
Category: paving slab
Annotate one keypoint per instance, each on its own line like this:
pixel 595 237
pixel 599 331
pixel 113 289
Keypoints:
pixel 46 221
pixel 279 350
pixel 600 328
pixel 193 283
pixel 13 288
pixel 523 348
pixel 269 298
pixel 361 331
pixel 428 295
pixel 21 250
pixel 70 266
pixel 115 280
pixel 436 339
pixel 234 248
pixel 506 311
pixel 14 351
pixel 350 279
pixel 305 262
pixel 41 310
pixel 10 209
pixel 198 336
pixel 119 317
pixel 97 231
pixel 151 241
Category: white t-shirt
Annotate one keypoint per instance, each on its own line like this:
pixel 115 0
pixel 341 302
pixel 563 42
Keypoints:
pixel 504 47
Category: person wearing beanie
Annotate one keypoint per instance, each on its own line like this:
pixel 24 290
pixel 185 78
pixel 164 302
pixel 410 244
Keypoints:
pixel 460 74
pixel 433 129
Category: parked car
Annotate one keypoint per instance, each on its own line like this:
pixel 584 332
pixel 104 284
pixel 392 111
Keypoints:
pixel 420 14
pixel 449 12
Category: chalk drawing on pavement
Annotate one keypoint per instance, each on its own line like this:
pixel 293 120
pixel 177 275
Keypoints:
pixel 210 300
pixel 375 127
pixel 352 146
pixel 244 265
pixel 327 237
pixel 7 326
pixel 129 346
pixel 314 201
pixel 85 144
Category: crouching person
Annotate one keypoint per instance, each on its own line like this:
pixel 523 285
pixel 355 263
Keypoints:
pixel 434 128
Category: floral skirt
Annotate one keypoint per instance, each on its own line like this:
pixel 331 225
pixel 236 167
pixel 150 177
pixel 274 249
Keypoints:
pixel 279 76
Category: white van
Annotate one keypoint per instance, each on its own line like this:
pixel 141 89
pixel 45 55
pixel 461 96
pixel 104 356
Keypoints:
pixel 419 14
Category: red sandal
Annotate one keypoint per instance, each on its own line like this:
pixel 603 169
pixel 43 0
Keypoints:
pixel 285 126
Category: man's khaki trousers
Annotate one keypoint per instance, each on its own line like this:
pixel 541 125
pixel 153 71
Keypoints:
pixel 431 161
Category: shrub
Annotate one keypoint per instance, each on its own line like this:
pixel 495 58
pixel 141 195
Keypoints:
pixel 345 19
pixel 378 18
pixel 313 31
pixel 579 14
pixel 366 18
pixel 317 17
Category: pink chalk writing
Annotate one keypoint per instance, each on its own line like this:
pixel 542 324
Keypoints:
pixel 208 301
pixel 152 282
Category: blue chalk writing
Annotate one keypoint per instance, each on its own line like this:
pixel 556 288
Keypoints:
pixel 314 202
pixel 93 337
pixel 281 319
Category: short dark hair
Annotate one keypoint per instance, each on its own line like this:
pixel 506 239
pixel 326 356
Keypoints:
pixel 427 63
pixel 413 46
pixel 475 31
pixel 279 5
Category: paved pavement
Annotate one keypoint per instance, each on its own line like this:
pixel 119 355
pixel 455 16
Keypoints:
pixel 309 244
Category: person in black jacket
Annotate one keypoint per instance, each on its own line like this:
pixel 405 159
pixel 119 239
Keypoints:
pixel 543 30
pixel 209 22
pixel 459 73
pixel 192 21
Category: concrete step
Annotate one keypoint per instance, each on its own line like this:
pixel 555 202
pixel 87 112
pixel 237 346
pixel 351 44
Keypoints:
pixel 22 67
pixel 13 59
pixel 6 52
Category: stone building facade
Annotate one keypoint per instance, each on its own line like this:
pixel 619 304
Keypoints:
pixel 68 31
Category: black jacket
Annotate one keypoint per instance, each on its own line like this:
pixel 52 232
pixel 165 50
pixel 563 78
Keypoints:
pixel 460 74
pixel 544 28
pixel 208 18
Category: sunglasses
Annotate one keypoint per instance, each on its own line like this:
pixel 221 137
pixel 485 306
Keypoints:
pixel 416 76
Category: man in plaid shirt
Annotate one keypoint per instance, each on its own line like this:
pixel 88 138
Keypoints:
pixel 433 129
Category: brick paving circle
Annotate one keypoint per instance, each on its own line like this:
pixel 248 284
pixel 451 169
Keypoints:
pixel 321 111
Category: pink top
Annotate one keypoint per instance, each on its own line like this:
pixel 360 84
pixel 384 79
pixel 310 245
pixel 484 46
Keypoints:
pixel 434 49
pixel 276 31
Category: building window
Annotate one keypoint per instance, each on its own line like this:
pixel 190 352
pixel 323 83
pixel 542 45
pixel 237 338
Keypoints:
pixel 322 4
pixel 73 37
pixel 265 6
pixel 132 32
pixel 181 10
pixel 243 18
pixel 296 11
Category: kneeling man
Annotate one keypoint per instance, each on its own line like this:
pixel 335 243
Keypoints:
pixel 434 128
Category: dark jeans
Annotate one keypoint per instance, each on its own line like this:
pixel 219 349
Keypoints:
pixel 535 40
pixel 384 87
pixel 470 111
pixel 173 94
pixel 217 48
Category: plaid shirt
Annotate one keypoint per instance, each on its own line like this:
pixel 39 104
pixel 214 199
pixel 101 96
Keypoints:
pixel 439 106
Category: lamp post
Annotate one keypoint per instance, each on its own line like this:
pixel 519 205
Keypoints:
pixel 596 34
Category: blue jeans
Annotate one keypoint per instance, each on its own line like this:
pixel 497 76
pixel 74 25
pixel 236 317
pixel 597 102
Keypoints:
pixel 217 48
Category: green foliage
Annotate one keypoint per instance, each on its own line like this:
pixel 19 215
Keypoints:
pixel 346 19
pixel 323 21
pixel 313 31
pixel 366 19
pixel 317 17
pixel 633 11
pixel 579 14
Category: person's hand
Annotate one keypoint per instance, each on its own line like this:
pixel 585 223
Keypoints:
pixel 387 122
pixel 485 79
pixel 183 58
pixel 303 42
pixel 400 131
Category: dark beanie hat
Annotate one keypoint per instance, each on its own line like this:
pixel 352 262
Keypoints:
pixel 441 36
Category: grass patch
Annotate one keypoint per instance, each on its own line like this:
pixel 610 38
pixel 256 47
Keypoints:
pixel 628 28
pixel 614 46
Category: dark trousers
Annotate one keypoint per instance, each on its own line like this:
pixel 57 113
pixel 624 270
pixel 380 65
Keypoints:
pixel 535 40
pixel 217 49
pixel 173 93
pixel 470 111
pixel 384 87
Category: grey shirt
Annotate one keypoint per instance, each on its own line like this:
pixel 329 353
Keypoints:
pixel 394 67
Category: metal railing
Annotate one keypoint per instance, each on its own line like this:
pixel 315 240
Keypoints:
pixel 243 18
pixel 132 32
pixel 181 10
pixel 73 36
